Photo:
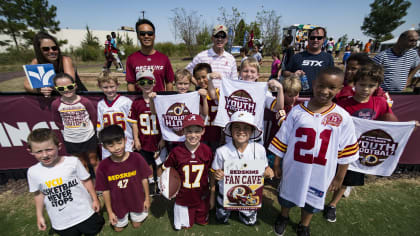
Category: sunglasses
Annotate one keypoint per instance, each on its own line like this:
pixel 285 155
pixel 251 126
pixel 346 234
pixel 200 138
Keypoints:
pixel 46 49
pixel 145 81
pixel 316 37
pixel 149 33
pixel 220 36
pixel 63 88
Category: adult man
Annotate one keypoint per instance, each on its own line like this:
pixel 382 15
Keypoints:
pixel 220 60
pixel 398 61
pixel 149 58
pixel 114 51
pixel 310 62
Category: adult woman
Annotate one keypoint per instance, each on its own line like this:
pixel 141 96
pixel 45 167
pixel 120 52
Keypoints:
pixel 47 51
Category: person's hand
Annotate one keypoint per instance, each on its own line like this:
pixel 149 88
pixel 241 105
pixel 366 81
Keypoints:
pixel 219 175
pixel 46 91
pixel 275 85
pixel 113 219
pixel 137 144
pixel 214 75
pixel 299 73
pixel 96 205
pixel 152 95
pixel 335 184
pixel 268 173
pixel 40 221
pixel 146 204
pixel 202 92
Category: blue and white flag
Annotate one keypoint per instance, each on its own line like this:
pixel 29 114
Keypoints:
pixel 40 75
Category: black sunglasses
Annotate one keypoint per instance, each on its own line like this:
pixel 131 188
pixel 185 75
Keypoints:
pixel 149 33
pixel 220 36
pixel 63 88
pixel 143 82
pixel 46 49
pixel 316 37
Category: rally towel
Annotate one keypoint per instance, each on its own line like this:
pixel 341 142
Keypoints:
pixel 171 110
pixel 381 144
pixel 239 95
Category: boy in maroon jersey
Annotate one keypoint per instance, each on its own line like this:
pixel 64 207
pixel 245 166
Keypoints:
pixel 123 179
pixel 192 160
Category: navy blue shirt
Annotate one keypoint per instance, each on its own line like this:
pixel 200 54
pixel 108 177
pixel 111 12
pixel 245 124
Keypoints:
pixel 311 64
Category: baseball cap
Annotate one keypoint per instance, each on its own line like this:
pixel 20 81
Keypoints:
pixel 220 28
pixel 192 119
pixel 145 74
pixel 246 118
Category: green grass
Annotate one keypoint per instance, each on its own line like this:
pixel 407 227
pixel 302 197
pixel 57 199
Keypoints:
pixel 384 207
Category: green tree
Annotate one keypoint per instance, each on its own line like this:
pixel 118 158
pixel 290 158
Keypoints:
pixel 385 16
pixel 239 33
pixel 204 37
pixel 90 39
pixel 12 20
pixel 230 20
pixel 269 23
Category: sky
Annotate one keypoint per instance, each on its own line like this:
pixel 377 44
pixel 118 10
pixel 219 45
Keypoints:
pixel 338 16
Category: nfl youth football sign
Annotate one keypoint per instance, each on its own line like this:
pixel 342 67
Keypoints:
pixel 243 184
pixel 40 75
pixel 381 144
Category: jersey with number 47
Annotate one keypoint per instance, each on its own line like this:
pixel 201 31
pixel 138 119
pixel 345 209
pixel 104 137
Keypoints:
pixel 147 124
pixel 311 145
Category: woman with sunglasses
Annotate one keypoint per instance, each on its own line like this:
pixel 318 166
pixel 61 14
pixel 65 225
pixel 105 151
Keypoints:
pixel 47 51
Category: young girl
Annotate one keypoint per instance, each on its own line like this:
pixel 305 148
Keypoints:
pixel 75 115
pixel 275 66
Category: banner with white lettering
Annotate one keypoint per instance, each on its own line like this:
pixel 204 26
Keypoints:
pixel 171 110
pixel 381 144
pixel 239 95
pixel 243 184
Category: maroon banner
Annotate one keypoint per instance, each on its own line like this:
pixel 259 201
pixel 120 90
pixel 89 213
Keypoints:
pixel 22 113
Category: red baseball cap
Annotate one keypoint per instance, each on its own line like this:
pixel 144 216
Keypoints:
pixel 192 119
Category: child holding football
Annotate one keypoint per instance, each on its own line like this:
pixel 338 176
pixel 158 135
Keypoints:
pixel 243 130
pixel 113 109
pixel 192 161
pixel 122 178
pixel 63 186
pixel 75 115
pixel 308 141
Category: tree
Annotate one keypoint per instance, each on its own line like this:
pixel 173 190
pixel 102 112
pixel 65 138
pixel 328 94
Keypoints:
pixel 230 20
pixel 186 25
pixel 385 16
pixel 90 39
pixel 269 23
pixel 12 20
pixel 41 16
pixel 344 40
pixel 203 37
pixel 239 33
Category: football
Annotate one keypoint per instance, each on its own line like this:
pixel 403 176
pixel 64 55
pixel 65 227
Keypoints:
pixel 169 183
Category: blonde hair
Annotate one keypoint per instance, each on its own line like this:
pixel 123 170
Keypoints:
pixel 105 77
pixel 292 85
pixel 181 73
pixel 250 61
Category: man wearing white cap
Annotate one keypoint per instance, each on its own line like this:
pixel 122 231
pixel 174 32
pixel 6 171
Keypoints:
pixel 220 60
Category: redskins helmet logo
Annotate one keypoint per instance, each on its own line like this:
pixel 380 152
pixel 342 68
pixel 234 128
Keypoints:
pixel 375 146
pixel 240 100
pixel 175 116
pixel 243 195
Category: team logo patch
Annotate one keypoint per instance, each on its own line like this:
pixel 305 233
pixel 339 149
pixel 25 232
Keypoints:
pixel 174 117
pixel 240 100
pixel 333 119
pixel 375 146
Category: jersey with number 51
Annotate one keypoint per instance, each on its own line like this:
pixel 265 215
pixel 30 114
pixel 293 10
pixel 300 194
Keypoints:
pixel 311 145
pixel 193 168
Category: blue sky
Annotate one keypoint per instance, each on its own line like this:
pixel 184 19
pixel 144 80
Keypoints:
pixel 339 16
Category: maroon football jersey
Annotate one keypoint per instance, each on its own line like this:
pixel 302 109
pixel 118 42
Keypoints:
pixel 193 170
pixel 371 110
pixel 147 123
pixel 124 181
pixel 213 132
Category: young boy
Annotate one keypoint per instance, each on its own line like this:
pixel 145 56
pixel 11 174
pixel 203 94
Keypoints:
pixel 242 129
pixel 308 141
pixel 63 186
pixel 366 106
pixel 113 109
pixel 123 179
pixel 192 160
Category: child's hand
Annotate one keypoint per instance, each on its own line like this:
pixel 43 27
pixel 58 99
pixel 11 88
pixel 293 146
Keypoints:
pixel 274 84
pixel 202 92
pixel 219 174
pixel 137 144
pixel 46 91
pixel 152 95
pixel 40 221
pixel 113 219
pixel 299 73
pixel 214 75
pixel 96 205
pixel 335 184
pixel 146 204
pixel 268 173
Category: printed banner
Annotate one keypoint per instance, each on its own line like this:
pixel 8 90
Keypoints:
pixel 381 144
pixel 171 110
pixel 40 75
pixel 243 184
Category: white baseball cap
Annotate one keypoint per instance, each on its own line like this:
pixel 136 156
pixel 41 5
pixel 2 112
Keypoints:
pixel 246 118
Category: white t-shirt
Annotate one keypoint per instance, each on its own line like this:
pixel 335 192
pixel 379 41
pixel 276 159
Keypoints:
pixel 66 199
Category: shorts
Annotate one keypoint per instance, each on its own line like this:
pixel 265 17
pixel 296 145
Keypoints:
pixel 186 216
pixel 91 226
pixel 134 216
pixel 222 214
pixel 90 145
pixel 149 157
pixel 288 204
pixel 354 178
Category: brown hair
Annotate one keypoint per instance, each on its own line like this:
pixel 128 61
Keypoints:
pixel 62 75
pixel 105 77
pixel 42 135
pixel 181 73
pixel 372 71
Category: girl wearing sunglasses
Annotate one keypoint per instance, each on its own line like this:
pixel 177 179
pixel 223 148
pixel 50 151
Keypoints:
pixel 47 51
pixel 75 115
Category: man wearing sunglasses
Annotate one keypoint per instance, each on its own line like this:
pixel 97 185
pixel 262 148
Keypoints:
pixel 148 58
pixel 311 61
pixel 220 60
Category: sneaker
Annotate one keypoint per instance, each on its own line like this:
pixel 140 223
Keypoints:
pixel 329 214
pixel 347 192
pixel 120 69
pixel 303 230
pixel 280 225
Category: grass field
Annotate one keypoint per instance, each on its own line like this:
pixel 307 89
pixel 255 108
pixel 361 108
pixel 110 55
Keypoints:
pixel 381 207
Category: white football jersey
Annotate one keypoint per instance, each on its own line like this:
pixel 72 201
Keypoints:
pixel 311 145
pixel 115 113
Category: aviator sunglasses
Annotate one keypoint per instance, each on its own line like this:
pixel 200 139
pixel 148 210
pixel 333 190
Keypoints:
pixel 149 33
pixel 63 88
pixel 316 37
pixel 46 49
pixel 144 81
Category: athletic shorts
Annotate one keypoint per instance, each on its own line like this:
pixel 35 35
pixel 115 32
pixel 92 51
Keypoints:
pixel 288 204
pixel 77 148
pixel 134 216
pixel 222 214
pixel 354 178
pixel 91 226
pixel 185 217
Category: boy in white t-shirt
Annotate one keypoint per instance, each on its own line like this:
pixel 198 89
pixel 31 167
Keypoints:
pixel 63 186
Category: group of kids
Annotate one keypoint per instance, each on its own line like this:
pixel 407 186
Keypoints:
pixel 129 134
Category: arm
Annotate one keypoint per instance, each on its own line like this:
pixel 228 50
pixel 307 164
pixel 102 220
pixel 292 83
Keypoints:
pixel 277 167
pixel 131 87
pixel 137 144
pixel 152 96
pixel 169 86
pixel 268 172
pixel 339 177
pixel 68 67
pixel 146 203
pixel 280 97
pixel 211 89
pixel 113 219
pixel 89 187
pixel 212 191
pixel 410 77
pixel 204 108
pixel 39 205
